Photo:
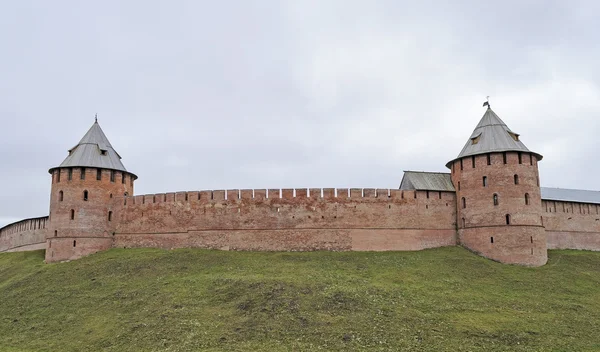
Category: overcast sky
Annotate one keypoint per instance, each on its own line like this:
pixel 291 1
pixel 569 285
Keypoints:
pixel 275 94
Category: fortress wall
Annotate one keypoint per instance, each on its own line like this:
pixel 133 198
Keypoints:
pixel 24 235
pixel 290 219
pixel 571 225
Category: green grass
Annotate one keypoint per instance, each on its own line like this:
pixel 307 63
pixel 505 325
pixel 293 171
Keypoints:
pixel 446 299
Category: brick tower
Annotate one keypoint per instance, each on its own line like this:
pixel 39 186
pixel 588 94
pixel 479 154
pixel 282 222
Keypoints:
pixel 83 201
pixel 498 195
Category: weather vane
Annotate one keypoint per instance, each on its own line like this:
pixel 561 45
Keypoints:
pixel 487 102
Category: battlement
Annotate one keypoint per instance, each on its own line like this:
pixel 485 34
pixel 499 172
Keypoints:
pixel 27 234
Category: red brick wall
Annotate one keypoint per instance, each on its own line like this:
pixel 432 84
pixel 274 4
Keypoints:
pixel 483 219
pixel 90 229
pixel 572 225
pixel 289 219
pixel 24 235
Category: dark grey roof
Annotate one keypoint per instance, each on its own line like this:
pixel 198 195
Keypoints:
pixel 94 150
pixel 571 195
pixel 426 181
pixel 492 135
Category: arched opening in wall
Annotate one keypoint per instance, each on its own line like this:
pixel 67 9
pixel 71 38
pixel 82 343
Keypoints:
pixel 516 177
pixel 464 223
pixel 72 214
pixel 82 174
pixel 464 202
pixel 507 219
pixel 526 198
pixel 484 181
pixel 489 159
pixel 99 174
pixel 85 195
pixel 74 243
pixel 55 233
pixel 504 157
pixel 495 199
pixel 69 174
pixel 520 158
pixel 110 216
pixel 60 196
pixel 473 161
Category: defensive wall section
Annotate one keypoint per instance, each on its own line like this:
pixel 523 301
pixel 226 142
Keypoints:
pixel 24 235
pixel 289 220
pixel 571 225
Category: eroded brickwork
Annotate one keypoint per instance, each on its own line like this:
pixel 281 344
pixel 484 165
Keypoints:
pixel 288 219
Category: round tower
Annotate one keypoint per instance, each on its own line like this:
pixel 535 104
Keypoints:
pixel 86 195
pixel 499 207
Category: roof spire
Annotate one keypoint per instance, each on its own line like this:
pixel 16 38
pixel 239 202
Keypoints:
pixel 96 118
pixel 487 102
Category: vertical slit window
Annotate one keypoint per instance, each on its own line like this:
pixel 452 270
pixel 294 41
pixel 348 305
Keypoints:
pixel 484 181
pixel 82 175
pixel 526 198
pixel 70 174
pixel 504 157
pixel 495 199
pixel 463 223
pixel 530 159
pixel 72 214
pixel 110 216
pixel 507 219
pixel 520 158
pixel 459 185
pixel 112 176
pixel 85 195
pixel 123 177
pixel 516 177
pixel 461 164
pixel 58 176
pixel 60 196
pixel 489 159
pixel 99 174
pixel 473 161
pixel 464 202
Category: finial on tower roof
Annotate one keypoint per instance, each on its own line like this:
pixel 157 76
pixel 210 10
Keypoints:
pixel 96 118
pixel 487 102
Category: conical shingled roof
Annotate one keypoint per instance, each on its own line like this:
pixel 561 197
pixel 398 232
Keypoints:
pixel 492 135
pixel 94 150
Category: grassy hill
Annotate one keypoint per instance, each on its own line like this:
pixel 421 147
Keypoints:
pixel 446 299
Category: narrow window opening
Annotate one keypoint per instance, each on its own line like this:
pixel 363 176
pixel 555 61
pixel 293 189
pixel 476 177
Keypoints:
pixel 55 233
pixel 520 158
pixel 110 195
pixel 82 175
pixel 440 195
pixel 504 157
pixel 103 152
pixel 99 174
pixel 153 199
pixel 186 197
pixel 491 239
pixel 484 181
pixel 459 185
pixel 415 194
pixel 110 216
pixel 60 196
pixel 473 161
pixel 531 251
pixel 70 174
pixel 463 223
pixel 427 194
pixel 74 243
pixel 464 202
pixel 489 159
pixel 426 206
pixel 112 176
pixel 461 164
pixel 531 237
pixel 85 195
pixel 58 176
pixel 530 159
pixel 495 198
pixel 389 207
pixel 72 214
pixel 507 219
pixel 538 181
pixel 527 199
pixel 516 177
pixel 123 178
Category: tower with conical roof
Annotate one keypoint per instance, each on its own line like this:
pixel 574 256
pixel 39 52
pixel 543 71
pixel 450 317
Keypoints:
pixel 87 189
pixel 498 195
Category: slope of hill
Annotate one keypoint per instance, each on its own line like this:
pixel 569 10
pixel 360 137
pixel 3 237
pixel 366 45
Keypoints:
pixel 445 299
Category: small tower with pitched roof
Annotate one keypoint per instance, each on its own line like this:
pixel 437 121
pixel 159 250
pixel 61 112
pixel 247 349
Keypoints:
pixel 498 195
pixel 86 195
